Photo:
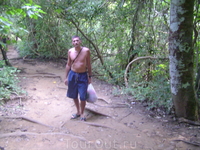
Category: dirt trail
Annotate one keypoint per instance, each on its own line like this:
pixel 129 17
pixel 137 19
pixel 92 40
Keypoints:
pixel 121 126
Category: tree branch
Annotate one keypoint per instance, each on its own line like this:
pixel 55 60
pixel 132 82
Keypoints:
pixel 138 58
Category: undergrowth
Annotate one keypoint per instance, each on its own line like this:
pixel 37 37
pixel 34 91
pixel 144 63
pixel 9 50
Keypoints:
pixel 8 82
pixel 153 90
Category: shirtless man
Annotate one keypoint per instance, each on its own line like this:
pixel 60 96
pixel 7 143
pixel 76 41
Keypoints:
pixel 78 75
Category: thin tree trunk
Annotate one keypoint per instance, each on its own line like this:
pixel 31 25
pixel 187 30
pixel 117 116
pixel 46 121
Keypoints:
pixel 181 55
pixel 3 51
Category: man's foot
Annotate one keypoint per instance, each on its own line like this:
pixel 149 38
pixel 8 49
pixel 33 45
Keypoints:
pixel 83 119
pixel 75 116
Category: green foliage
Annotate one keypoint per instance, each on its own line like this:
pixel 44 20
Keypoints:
pixel 32 10
pixel 25 49
pixel 8 81
pixel 15 11
pixel 5 25
pixel 156 94
pixel 47 36
pixel 116 32
pixel 156 91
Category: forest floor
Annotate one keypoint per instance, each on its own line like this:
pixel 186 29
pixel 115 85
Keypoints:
pixel 41 119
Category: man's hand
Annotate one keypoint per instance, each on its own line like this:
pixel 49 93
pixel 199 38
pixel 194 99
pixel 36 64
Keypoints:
pixel 66 82
pixel 89 80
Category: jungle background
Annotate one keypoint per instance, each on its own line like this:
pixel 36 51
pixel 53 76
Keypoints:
pixel 117 33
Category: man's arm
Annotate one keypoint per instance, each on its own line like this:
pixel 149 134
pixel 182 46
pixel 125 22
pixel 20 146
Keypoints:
pixel 67 68
pixel 89 67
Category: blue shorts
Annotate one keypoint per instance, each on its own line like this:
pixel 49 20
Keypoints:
pixel 77 84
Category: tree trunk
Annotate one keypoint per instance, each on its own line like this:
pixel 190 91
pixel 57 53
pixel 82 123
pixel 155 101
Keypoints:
pixel 181 55
pixel 197 83
pixel 3 52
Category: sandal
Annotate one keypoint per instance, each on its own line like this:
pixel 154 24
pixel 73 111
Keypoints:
pixel 75 116
pixel 83 119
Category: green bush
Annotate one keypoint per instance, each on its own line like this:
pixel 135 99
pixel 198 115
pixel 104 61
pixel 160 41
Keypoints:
pixel 8 81
pixel 156 92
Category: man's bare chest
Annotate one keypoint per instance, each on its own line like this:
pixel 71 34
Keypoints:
pixel 78 56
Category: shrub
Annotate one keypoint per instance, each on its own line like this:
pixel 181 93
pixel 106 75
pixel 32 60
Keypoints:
pixel 8 81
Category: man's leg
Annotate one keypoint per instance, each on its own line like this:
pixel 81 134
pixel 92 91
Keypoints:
pixel 82 90
pixel 76 102
pixel 83 103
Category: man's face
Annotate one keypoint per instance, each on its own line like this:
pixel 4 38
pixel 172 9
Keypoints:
pixel 76 42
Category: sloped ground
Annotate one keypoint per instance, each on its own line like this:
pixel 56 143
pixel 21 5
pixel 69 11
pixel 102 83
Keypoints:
pixel 41 120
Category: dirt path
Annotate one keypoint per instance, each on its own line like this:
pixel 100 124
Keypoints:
pixel 45 124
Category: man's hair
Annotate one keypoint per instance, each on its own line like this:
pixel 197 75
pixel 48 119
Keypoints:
pixel 76 36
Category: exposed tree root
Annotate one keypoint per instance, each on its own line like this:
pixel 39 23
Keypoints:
pixel 103 100
pixel 191 143
pixel 27 119
pixel 41 76
pixel 96 125
pixel 64 88
pixel 17 97
pixel 125 116
pixel 45 73
pixel 183 120
pixel 32 133
pixel 113 106
pixel 96 112
pixel 17 58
